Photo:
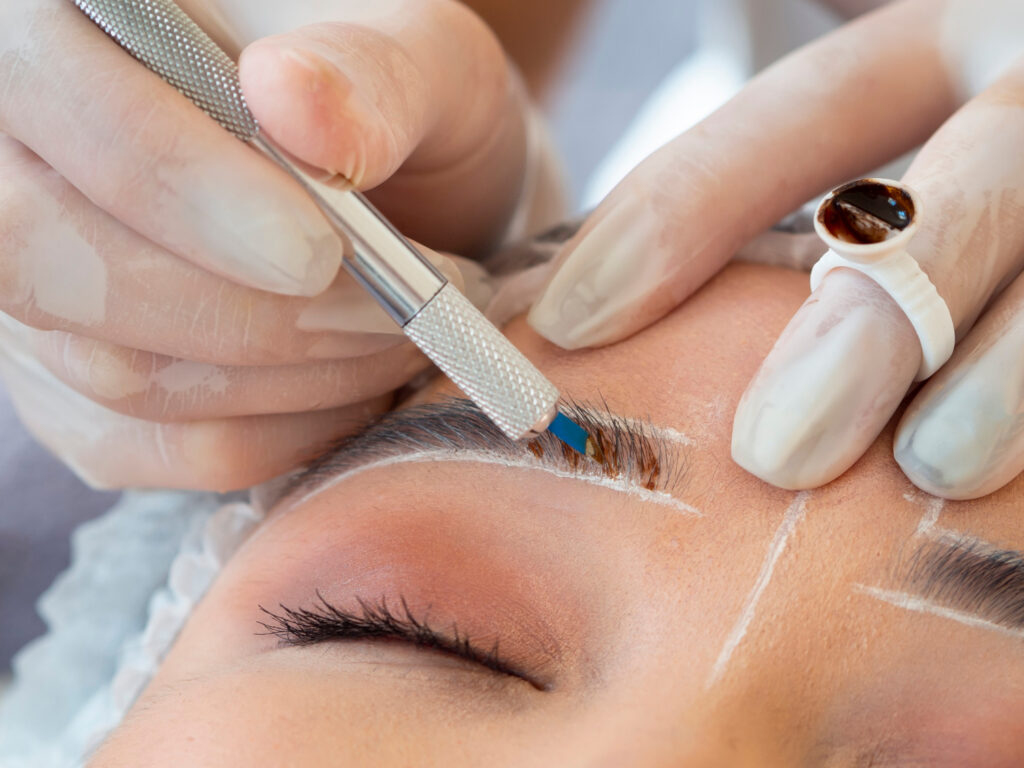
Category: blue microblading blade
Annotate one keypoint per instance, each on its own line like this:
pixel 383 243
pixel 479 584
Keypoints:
pixel 570 433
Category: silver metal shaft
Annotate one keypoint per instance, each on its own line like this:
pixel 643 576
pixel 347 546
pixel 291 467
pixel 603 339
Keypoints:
pixel 439 320
pixel 386 264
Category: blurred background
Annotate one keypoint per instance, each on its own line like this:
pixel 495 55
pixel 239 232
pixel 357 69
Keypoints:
pixel 637 73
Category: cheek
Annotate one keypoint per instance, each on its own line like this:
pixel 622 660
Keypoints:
pixel 948 707
pixel 981 734
pixel 289 710
pixel 247 719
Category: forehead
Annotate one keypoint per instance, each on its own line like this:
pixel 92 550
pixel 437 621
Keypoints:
pixel 693 365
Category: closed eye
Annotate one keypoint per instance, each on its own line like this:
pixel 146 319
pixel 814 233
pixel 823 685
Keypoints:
pixel 325 622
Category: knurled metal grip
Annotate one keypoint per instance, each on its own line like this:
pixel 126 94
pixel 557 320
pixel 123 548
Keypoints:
pixel 483 364
pixel 162 36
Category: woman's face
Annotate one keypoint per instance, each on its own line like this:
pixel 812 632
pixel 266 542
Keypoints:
pixel 687 615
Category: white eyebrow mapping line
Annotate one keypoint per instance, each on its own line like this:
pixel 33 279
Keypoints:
pixel 928 524
pixel 483 457
pixel 921 605
pixel 794 514
pixel 643 427
pixel 929 527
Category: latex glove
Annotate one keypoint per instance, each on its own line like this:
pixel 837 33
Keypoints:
pixel 144 251
pixel 828 113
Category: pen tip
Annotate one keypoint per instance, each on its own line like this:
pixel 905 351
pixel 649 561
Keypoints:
pixel 573 435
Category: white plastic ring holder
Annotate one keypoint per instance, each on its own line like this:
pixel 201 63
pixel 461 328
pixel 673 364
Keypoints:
pixel 867 225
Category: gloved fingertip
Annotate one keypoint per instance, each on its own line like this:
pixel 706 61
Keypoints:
pixel 322 267
pixel 959 442
pixel 311 105
pixel 779 446
pixel 824 392
pixel 599 292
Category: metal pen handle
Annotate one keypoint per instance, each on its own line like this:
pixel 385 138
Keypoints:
pixel 440 321
pixel 378 256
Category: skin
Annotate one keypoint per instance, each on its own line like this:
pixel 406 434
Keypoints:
pixel 619 606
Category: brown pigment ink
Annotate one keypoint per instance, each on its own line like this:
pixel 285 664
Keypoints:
pixel 608 455
pixel 866 212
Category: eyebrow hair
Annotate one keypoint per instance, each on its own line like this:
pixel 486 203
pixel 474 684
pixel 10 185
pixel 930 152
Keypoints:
pixel 633 449
pixel 966 575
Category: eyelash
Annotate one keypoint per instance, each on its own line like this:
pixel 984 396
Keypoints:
pixel 377 621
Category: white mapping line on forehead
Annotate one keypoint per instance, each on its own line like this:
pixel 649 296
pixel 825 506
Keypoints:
pixel 793 516
pixel 621 485
pixel 930 519
pixel 921 605
pixel 929 527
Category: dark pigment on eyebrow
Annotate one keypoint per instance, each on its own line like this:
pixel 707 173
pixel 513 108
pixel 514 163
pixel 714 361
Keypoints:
pixel 608 454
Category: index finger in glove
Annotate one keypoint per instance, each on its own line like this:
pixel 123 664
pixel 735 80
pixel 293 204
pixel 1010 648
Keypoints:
pixel 847 103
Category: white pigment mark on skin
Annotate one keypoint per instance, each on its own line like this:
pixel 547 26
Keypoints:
pixel 921 605
pixel 792 518
pixel 672 435
pixel 929 521
pixel 620 485
pixel 663 433
pixel 929 526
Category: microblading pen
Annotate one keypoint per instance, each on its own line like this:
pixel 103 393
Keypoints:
pixel 432 312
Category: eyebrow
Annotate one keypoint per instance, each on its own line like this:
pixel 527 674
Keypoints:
pixel 635 452
pixel 964 579
pixel 964 574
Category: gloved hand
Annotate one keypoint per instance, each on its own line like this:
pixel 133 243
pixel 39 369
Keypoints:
pixel 156 273
pixel 831 112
